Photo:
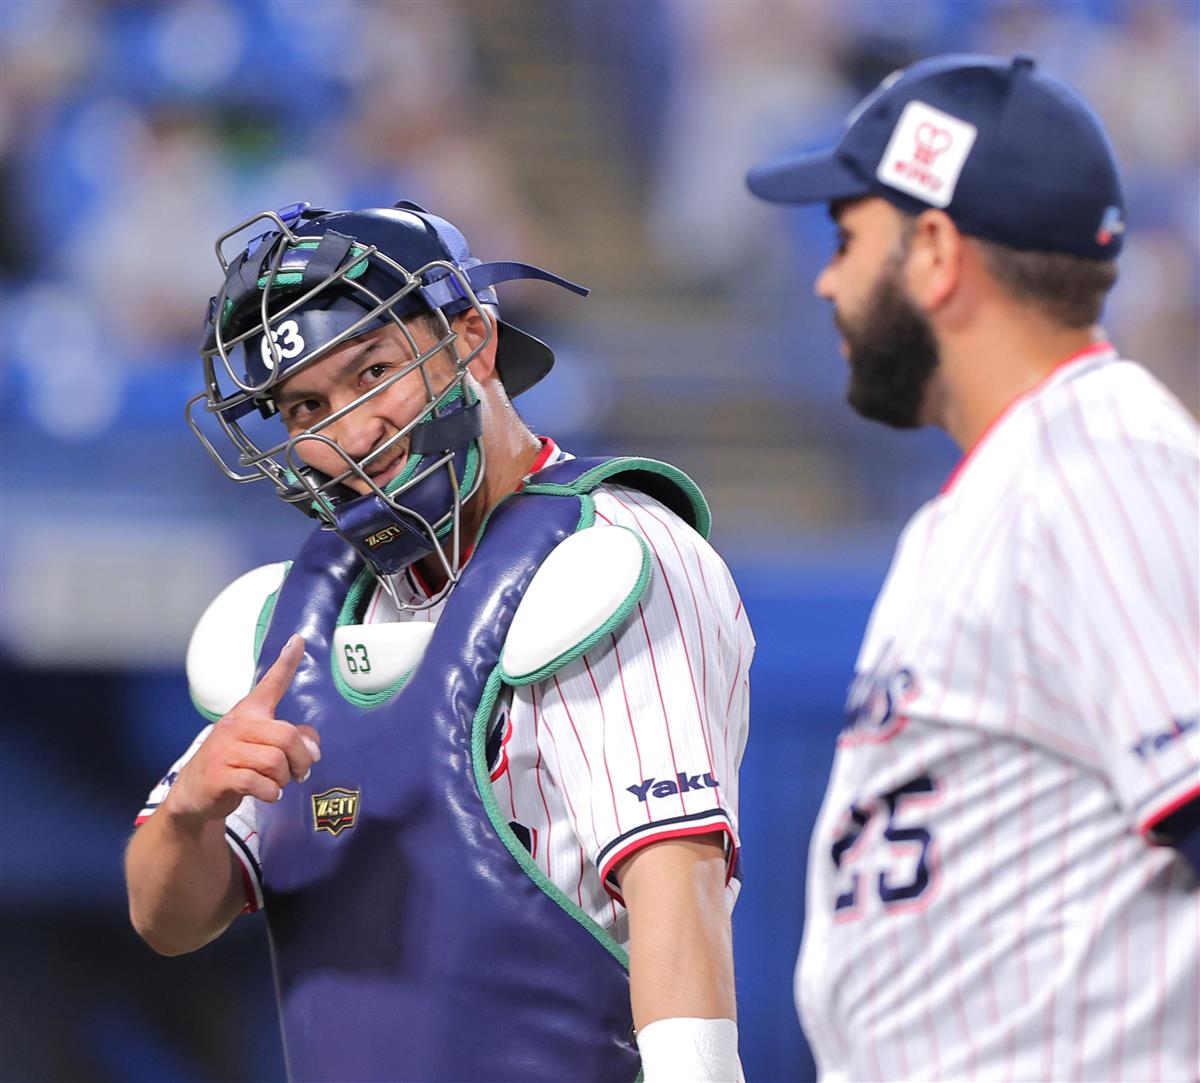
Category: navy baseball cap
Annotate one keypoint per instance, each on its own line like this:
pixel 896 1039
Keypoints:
pixel 1011 154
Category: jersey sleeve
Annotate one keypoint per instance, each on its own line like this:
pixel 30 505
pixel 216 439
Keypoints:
pixel 645 732
pixel 240 830
pixel 1112 604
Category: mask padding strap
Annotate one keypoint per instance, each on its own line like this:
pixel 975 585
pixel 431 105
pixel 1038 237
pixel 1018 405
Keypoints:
pixel 242 281
pixel 447 433
pixel 446 291
pixel 489 274
pixel 326 258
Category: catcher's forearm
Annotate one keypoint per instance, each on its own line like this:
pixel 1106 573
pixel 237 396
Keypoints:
pixel 183 881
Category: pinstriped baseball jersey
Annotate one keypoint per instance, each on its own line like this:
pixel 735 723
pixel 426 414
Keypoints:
pixel 636 741
pixel 986 895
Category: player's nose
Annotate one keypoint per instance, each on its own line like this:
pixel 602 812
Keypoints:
pixel 357 436
pixel 823 286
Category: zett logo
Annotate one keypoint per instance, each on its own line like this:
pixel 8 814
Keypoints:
pixel 335 810
pixel 382 537
pixel 666 787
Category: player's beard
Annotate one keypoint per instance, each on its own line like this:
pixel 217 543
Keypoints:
pixel 892 352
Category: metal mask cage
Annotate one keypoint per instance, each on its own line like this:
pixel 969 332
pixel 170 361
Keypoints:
pixel 281 463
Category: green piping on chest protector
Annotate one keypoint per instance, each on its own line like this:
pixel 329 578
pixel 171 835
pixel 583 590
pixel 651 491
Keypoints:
pixel 514 845
pixel 611 470
pixel 351 607
pixel 619 616
pixel 260 633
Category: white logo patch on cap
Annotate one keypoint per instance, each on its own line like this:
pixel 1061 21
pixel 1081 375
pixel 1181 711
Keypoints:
pixel 926 153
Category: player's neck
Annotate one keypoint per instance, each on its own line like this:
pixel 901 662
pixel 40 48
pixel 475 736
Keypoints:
pixel 509 451
pixel 984 369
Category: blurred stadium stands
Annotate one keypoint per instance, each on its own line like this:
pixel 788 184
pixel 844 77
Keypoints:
pixel 606 139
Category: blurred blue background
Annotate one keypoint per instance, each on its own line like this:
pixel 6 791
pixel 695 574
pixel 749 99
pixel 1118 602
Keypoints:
pixel 604 139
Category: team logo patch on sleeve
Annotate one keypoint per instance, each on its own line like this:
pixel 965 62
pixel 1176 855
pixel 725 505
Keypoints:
pixel 335 810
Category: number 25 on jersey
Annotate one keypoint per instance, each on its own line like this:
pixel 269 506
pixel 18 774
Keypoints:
pixel 908 868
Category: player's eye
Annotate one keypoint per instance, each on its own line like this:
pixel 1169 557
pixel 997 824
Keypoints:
pixel 843 242
pixel 302 410
pixel 375 372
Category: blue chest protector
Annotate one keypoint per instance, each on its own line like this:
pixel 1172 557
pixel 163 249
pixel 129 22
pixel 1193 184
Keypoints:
pixel 421 942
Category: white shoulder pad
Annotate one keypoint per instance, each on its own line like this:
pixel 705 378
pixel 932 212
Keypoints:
pixel 584 589
pixel 220 656
pixel 374 657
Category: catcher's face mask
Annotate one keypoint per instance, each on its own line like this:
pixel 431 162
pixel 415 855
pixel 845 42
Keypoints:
pixel 311 283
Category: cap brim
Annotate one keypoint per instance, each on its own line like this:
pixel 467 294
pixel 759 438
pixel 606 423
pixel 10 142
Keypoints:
pixel 815 177
pixel 521 359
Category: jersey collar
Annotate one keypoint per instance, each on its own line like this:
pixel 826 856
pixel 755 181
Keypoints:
pixel 1066 369
pixel 549 454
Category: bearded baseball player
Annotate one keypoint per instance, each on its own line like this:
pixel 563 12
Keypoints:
pixel 1003 878
pixel 474 749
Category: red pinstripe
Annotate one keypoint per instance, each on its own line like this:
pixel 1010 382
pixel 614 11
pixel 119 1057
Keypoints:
pixel 1161 1010
pixel 1122 990
pixel 729 702
pixel 1065 711
pixel 1081 1000
pixel 930 1026
pixel 1065 646
pixel 583 752
pixel 702 697
pixel 893 752
pixel 1196 998
pixel 991 537
pixel 989 839
pixel 708 593
pixel 1167 524
pixel 629 714
pixel 661 700
pixel 725 727
pixel 1098 561
pixel 537 773
pixel 701 714
pixel 1067 573
pixel 604 744
pixel 566 792
pixel 1132 541
pixel 1186 482
pixel 1064 837
pixel 1023 897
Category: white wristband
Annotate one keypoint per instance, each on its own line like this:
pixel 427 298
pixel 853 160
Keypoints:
pixel 690 1051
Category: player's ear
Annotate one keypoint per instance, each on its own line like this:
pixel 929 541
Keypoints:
pixel 473 333
pixel 934 264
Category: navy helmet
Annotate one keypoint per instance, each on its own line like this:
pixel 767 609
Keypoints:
pixel 316 279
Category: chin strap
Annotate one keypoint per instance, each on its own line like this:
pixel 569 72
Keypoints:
pixel 391 538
